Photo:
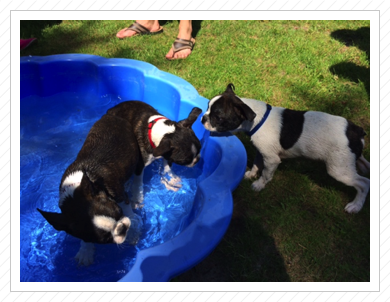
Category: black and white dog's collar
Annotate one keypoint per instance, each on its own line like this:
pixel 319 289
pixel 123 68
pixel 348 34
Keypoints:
pixel 262 121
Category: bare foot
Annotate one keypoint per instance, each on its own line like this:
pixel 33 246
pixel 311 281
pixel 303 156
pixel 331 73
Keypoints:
pixel 151 25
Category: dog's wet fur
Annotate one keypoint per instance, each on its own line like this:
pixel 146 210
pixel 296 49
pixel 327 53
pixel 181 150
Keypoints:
pixel 93 201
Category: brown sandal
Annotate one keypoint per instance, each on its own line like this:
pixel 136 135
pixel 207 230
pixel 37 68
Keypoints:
pixel 181 44
pixel 142 30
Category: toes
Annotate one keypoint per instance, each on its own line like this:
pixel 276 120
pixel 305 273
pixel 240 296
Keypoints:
pixel 169 55
pixel 182 54
pixel 120 34
pixel 125 33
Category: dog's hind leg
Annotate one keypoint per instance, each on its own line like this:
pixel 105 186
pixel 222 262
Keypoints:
pixel 363 165
pixel 137 191
pixel 345 172
pixel 258 165
pixel 270 166
pixel 85 254
pixel 362 185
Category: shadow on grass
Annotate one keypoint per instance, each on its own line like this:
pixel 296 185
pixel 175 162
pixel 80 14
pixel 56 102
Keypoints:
pixel 359 38
pixel 34 28
pixel 247 253
pixel 303 209
pixel 88 37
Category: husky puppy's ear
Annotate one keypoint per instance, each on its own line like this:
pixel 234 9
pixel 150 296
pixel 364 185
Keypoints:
pixel 187 123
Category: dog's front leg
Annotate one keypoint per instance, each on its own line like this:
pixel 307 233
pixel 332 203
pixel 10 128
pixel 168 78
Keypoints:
pixel 174 181
pixel 85 254
pixel 258 165
pixel 270 166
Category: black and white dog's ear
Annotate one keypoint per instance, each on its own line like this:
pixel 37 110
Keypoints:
pixel 163 148
pixel 230 88
pixel 239 106
pixel 92 185
pixel 187 123
pixel 57 220
pixel 244 110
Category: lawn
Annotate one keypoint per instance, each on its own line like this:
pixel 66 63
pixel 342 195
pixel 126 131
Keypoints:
pixel 296 228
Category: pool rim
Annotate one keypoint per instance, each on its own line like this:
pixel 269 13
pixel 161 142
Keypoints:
pixel 213 189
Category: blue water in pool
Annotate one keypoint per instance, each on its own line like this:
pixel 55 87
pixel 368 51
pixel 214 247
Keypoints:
pixel 52 131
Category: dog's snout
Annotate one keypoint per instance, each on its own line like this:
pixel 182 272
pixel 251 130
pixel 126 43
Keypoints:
pixel 204 119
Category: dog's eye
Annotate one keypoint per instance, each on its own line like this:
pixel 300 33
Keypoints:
pixel 218 118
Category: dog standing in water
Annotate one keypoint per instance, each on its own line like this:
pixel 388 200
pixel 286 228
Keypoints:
pixel 94 204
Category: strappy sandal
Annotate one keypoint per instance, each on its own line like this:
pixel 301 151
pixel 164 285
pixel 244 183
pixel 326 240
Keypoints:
pixel 181 44
pixel 142 30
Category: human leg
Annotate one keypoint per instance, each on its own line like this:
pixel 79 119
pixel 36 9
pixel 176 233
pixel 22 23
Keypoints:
pixel 183 45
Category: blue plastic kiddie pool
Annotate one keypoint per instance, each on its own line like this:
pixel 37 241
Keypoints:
pixel 61 97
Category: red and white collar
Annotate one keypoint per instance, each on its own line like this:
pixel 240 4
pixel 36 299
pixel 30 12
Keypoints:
pixel 150 126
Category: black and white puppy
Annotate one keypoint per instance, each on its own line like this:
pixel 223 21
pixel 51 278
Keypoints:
pixel 94 184
pixel 125 140
pixel 279 133
pixel 159 137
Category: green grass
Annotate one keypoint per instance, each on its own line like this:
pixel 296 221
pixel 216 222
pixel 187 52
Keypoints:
pixel 296 228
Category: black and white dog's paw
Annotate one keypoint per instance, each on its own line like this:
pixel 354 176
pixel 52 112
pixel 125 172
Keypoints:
pixel 250 174
pixel 137 200
pixel 353 207
pixel 172 183
pixel 137 193
pixel 258 185
pixel 85 253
